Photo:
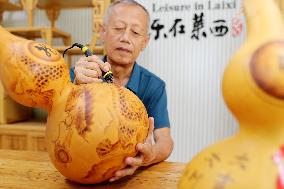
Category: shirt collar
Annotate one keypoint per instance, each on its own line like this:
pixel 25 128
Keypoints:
pixel 133 83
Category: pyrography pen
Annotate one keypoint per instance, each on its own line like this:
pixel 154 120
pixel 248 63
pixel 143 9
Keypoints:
pixel 107 76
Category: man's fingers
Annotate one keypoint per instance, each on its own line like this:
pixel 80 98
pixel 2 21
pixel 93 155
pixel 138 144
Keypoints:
pixel 144 149
pixel 122 173
pixel 93 58
pixel 89 66
pixel 126 171
pixel 87 72
pixel 151 125
pixel 137 161
pixel 113 179
pixel 89 69
pixel 150 131
pixel 105 66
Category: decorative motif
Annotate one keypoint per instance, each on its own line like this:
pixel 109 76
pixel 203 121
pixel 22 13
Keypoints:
pixel 61 154
pixel 214 158
pixel 237 27
pixel 237 24
pixel 129 109
pixel 107 174
pixel 105 147
pixel 42 73
pixel 241 161
pixel 43 51
pixel 193 177
pixel 97 8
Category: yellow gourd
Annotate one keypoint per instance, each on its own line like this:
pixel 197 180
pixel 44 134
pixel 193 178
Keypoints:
pixel 91 128
pixel 253 88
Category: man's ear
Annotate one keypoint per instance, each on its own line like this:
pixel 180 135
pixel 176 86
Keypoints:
pixel 146 41
pixel 102 32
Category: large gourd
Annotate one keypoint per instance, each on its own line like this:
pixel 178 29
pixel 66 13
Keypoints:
pixel 253 88
pixel 91 128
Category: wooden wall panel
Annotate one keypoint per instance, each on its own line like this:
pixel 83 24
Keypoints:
pixel 23 136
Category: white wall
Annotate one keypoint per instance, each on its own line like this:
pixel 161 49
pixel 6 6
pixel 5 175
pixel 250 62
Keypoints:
pixel 193 72
pixel 192 69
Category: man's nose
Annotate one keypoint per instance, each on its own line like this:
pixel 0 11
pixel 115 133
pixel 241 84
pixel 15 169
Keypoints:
pixel 125 37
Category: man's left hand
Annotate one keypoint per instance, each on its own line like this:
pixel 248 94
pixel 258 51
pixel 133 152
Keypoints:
pixel 145 156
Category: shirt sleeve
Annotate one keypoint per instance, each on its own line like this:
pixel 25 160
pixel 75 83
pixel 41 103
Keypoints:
pixel 157 107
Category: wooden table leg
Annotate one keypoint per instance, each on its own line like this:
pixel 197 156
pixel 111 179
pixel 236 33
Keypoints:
pixel 29 6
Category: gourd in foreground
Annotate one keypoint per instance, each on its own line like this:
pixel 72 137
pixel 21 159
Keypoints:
pixel 253 88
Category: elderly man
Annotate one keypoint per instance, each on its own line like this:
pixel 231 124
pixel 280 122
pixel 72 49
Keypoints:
pixel 125 35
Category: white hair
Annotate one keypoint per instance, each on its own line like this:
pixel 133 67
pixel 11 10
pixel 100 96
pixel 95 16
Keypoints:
pixel 127 2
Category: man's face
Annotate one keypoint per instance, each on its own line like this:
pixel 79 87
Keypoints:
pixel 125 33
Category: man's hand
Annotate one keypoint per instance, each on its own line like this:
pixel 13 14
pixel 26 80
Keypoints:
pixel 89 70
pixel 145 155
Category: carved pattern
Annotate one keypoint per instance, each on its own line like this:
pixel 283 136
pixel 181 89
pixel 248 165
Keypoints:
pixel 83 112
pixel 61 148
pixel 43 52
pixel 105 147
pixel 194 177
pixel 47 50
pixel 97 8
pixel 96 27
pixel 107 174
pixel 88 108
pixel 241 161
pixel 125 133
pixel 213 159
pixel 129 109
pixel 42 74
pixel 43 97
pixel 61 154
pixel 65 126
pixel 77 117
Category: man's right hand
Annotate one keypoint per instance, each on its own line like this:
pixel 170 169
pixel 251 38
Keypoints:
pixel 89 70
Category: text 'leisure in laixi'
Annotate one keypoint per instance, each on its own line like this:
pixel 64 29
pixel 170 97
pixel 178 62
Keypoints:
pixel 195 5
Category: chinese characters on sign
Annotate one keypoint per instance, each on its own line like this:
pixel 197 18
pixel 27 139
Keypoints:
pixel 177 28
pixel 197 30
